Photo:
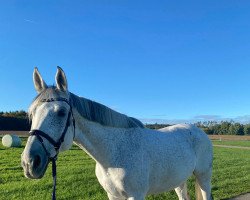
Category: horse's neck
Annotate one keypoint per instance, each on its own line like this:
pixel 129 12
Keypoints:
pixel 95 139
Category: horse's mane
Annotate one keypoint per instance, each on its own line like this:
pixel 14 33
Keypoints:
pixel 99 113
pixel 90 110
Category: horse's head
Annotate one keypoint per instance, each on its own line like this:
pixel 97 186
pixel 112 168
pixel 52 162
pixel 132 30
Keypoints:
pixel 52 128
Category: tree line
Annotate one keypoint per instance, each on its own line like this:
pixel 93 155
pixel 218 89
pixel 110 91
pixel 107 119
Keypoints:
pixel 215 128
pixel 18 121
pixel 14 121
pixel 224 128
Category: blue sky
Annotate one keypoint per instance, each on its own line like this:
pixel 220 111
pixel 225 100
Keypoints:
pixel 155 60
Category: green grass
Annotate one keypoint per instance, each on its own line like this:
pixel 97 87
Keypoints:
pixel 233 143
pixel 231 175
pixel 76 177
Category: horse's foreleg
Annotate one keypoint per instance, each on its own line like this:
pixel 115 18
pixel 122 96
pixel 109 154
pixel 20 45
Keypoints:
pixel 181 191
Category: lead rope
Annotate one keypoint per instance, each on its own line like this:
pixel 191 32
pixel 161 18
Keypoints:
pixel 53 160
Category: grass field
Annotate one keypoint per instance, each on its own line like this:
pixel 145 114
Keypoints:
pixel 76 177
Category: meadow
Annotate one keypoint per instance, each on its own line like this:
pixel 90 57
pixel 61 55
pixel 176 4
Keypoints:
pixel 76 176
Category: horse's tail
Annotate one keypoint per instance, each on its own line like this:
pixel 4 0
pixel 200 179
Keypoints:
pixel 198 190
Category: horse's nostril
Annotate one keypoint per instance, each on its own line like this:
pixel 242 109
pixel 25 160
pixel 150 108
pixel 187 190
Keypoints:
pixel 37 161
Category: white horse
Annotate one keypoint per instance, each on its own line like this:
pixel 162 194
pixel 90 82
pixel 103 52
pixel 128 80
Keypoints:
pixel 131 161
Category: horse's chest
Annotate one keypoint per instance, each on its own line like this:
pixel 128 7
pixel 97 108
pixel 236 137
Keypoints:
pixel 111 180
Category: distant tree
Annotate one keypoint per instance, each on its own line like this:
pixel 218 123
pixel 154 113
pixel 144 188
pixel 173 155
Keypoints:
pixel 231 130
pixel 207 130
pixel 224 127
pixel 200 124
pixel 239 129
pixel 236 129
pixel 247 129
pixel 215 129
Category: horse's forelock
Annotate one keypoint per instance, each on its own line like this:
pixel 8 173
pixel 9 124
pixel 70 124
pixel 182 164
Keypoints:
pixel 50 92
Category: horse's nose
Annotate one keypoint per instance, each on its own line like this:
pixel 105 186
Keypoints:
pixel 33 161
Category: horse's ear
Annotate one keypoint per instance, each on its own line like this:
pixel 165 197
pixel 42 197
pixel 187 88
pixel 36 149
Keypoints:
pixel 61 81
pixel 39 83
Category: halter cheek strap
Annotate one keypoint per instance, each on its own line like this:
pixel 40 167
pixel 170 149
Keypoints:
pixel 56 144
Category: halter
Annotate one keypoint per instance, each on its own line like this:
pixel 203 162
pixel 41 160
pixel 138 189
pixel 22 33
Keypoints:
pixel 57 144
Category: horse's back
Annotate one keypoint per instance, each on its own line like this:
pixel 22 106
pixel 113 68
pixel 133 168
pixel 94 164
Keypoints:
pixel 198 138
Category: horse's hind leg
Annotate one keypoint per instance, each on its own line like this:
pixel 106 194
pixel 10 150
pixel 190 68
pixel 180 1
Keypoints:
pixel 181 191
pixel 203 180
pixel 137 197
pixel 111 197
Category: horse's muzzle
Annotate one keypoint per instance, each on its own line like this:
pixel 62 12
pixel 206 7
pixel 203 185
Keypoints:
pixel 34 164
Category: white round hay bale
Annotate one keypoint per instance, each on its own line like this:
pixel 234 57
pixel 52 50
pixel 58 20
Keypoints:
pixel 11 141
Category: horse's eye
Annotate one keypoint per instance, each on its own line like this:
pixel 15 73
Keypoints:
pixel 61 113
